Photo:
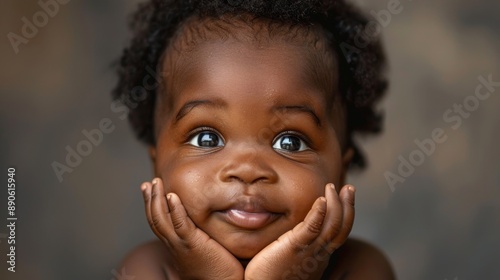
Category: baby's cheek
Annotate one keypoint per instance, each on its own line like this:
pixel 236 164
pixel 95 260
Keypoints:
pixel 301 188
pixel 192 185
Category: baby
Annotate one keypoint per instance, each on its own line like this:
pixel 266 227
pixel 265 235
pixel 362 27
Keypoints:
pixel 250 131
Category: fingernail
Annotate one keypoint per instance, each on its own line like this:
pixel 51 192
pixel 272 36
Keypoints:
pixel 332 186
pixel 155 181
pixel 352 189
pixel 322 204
pixel 169 196
pixel 144 186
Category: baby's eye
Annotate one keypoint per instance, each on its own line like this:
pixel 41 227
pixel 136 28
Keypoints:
pixel 207 139
pixel 290 143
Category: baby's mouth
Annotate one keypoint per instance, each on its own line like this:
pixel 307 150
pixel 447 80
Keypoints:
pixel 248 220
pixel 249 215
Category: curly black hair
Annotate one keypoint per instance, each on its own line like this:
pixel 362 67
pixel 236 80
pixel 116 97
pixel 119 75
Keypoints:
pixel 352 36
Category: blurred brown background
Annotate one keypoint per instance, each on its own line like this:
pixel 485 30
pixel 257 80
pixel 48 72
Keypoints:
pixel 442 222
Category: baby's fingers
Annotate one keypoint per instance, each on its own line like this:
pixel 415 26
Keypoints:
pixel 168 220
pixel 339 219
pixel 158 210
pixel 182 224
pixel 146 194
pixel 334 215
pixel 146 189
pixel 307 231
pixel 347 197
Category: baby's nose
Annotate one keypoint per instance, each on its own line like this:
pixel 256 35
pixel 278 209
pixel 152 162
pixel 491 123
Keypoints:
pixel 248 165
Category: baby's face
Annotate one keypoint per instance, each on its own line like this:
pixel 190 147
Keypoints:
pixel 247 140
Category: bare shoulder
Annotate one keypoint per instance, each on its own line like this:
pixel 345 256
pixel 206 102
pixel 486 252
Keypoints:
pixel 357 259
pixel 147 261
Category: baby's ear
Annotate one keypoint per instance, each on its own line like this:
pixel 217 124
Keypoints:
pixel 346 161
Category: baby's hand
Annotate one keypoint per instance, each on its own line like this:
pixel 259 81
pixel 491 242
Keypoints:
pixel 304 251
pixel 195 254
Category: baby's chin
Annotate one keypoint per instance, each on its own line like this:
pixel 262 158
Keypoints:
pixel 245 254
pixel 244 246
pixel 243 243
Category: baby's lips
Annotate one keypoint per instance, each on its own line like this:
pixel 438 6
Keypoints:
pixel 248 220
pixel 249 213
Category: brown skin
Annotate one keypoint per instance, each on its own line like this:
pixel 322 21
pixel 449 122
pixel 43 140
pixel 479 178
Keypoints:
pixel 246 104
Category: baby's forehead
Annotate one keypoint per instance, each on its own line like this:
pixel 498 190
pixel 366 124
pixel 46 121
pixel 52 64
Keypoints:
pixel 258 33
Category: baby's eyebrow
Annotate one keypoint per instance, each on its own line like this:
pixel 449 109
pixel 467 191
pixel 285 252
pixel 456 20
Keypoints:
pixel 299 109
pixel 186 108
